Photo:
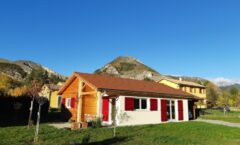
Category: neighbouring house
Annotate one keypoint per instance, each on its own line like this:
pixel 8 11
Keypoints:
pixel 189 87
pixel 89 96
pixel 50 91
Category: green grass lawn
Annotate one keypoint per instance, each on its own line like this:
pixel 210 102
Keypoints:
pixel 188 133
pixel 233 116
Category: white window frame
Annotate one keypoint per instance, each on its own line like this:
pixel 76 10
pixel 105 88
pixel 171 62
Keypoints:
pixel 140 104
pixel 175 109
pixel 68 103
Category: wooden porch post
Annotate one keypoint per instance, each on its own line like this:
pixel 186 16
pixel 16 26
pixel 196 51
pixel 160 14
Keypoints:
pixel 79 105
pixel 194 112
pixel 99 106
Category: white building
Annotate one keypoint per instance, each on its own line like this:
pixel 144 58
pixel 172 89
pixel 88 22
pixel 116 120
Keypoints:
pixel 126 101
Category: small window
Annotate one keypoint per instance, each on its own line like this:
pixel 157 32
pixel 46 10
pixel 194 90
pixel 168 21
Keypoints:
pixel 136 104
pixel 191 90
pixel 59 101
pixel 68 102
pixel 140 104
pixel 143 104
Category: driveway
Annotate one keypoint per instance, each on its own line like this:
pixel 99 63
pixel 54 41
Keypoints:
pixel 220 122
pixel 63 125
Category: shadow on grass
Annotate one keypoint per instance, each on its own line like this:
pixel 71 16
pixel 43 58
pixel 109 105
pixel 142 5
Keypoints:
pixel 204 112
pixel 110 141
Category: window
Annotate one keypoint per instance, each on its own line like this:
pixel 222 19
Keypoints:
pixel 140 104
pixel 68 102
pixel 171 110
pixel 143 104
pixel 59 101
pixel 191 90
pixel 136 104
pixel 183 88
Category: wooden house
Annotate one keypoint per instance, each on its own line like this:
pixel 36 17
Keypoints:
pixel 86 97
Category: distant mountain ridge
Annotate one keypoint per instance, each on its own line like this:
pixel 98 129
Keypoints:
pixel 228 88
pixel 129 67
pixel 19 70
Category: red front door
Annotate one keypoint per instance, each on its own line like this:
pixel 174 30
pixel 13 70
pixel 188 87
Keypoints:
pixel 105 108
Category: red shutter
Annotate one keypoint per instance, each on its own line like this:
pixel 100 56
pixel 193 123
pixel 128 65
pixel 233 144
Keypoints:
pixel 153 105
pixel 164 110
pixel 105 109
pixel 63 101
pixel 73 102
pixel 129 104
pixel 180 110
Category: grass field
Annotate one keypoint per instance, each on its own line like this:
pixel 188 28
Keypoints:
pixel 232 116
pixel 170 134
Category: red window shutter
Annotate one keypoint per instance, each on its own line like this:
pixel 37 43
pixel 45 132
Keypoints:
pixel 129 104
pixel 153 105
pixel 73 102
pixel 164 110
pixel 63 101
pixel 180 110
pixel 105 109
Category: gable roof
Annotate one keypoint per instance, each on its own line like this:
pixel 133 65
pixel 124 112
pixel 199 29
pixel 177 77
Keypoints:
pixel 104 82
pixel 181 82
pixel 53 87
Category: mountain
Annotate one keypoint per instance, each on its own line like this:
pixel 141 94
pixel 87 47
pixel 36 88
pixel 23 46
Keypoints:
pixel 20 70
pixel 129 67
pixel 198 80
pixel 228 88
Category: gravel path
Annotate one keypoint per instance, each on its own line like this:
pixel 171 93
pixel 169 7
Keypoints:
pixel 61 125
pixel 220 122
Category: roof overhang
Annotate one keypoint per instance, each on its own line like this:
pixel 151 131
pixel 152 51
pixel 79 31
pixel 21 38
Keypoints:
pixel 111 92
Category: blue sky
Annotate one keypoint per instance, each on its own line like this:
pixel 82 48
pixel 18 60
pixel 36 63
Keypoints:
pixel 187 37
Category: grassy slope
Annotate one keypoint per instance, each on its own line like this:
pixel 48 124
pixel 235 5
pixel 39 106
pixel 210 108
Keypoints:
pixel 219 115
pixel 170 134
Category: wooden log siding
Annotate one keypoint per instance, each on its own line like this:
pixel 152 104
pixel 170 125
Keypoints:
pixel 71 92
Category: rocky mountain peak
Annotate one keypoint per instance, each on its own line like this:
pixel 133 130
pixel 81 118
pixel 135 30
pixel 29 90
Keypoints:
pixel 129 67
pixel 19 70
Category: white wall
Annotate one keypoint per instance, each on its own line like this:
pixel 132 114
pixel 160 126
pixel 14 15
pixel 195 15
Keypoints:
pixel 185 110
pixel 140 117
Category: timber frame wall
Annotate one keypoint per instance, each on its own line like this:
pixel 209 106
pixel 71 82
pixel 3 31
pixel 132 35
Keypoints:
pixel 87 98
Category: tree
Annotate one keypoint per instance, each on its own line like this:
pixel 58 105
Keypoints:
pixel 212 94
pixel 33 93
pixel 41 101
pixel 121 116
pixel 5 84
pixel 235 96
pixel 37 74
pixel 224 99
pixel 18 91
